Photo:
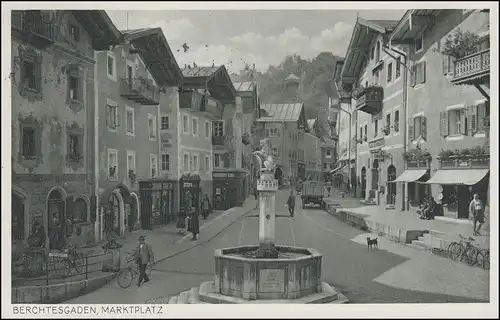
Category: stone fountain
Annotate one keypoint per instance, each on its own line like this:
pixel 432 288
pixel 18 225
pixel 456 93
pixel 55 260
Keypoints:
pixel 265 273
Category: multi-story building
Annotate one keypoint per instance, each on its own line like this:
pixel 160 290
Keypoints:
pixel 448 106
pixel 210 136
pixel 328 156
pixel 285 125
pixel 53 112
pixel 247 91
pixel 312 156
pixel 376 82
pixel 128 85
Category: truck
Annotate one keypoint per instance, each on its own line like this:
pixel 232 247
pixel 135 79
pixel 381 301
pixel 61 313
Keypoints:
pixel 312 193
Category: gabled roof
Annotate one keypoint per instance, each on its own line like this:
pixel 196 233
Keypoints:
pixel 101 29
pixel 281 112
pixel 412 24
pixel 246 86
pixel 156 54
pixel 358 51
pixel 215 79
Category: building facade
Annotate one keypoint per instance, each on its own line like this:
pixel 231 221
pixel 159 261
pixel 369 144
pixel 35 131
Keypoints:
pixel 53 110
pixel 129 93
pixel 328 156
pixel 210 103
pixel 448 107
pixel 285 125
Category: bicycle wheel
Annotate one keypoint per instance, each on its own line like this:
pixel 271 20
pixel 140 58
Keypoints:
pixel 79 262
pixel 471 256
pixel 455 250
pixel 484 262
pixel 125 277
pixel 149 268
pixel 480 258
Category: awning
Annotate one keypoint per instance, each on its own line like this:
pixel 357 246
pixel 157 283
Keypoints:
pixel 467 177
pixel 410 175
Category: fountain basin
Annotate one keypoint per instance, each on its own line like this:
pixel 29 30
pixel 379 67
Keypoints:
pixel 296 273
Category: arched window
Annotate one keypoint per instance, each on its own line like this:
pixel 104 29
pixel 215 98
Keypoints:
pixel 79 210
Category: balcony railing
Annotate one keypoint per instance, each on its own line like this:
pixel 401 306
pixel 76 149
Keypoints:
pixel 35 28
pixel 472 69
pixel 465 163
pixel 218 140
pixel 140 90
pixel 370 100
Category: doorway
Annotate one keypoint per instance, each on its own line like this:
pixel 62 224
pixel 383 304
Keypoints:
pixel 363 183
pixel 391 186
pixel 56 207
pixel 375 177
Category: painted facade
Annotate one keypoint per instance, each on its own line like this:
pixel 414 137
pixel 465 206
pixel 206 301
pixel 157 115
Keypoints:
pixel 53 109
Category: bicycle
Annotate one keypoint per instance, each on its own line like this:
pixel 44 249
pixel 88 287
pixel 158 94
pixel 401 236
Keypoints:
pixel 483 258
pixel 464 250
pixel 127 274
pixel 75 260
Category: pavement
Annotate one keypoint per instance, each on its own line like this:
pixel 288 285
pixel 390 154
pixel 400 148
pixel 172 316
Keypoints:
pixel 393 274
pixel 449 229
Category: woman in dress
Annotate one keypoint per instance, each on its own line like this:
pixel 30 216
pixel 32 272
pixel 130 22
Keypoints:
pixel 194 223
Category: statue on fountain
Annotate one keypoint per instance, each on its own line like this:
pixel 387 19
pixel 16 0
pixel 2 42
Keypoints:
pixel 265 157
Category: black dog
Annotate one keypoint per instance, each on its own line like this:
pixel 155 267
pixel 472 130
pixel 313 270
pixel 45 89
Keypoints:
pixel 372 243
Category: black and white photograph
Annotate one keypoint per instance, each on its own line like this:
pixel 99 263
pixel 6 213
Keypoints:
pixel 249 153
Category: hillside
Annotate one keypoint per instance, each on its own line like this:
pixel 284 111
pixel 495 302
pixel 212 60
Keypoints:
pixel 315 74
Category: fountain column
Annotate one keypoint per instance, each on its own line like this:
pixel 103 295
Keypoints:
pixel 267 187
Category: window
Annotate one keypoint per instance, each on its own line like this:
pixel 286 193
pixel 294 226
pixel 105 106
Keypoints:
pixel 191 163
pixel 417 127
pixel 376 77
pixel 129 119
pixel 366 132
pixel 29 143
pixel 418 73
pixel 130 161
pixel 455 122
pixel 74 33
pixel 207 129
pixel 448 64
pixel 152 126
pixel 274 132
pixel 74 87
pixel 388 121
pixel 419 44
pixel 218 128
pixel 398 68
pixel 75 147
pixel 185 162
pixel 165 124
pixel 111 66
pixel 29 77
pixel 195 163
pixel 112 164
pixel 185 123
pixel 328 153
pixel 375 131
pixel 218 160
pixel 195 126
pixel 207 163
pixel 153 159
pixel 396 121
pixel 112 116
pixel 483 112
pixel 389 72
pixel 361 132
pixel 165 162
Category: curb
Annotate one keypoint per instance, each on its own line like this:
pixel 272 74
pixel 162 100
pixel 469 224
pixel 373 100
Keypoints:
pixel 60 292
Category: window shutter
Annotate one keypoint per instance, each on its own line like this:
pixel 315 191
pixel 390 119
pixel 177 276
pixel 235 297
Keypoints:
pixel 117 117
pixel 226 160
pixel 422 71
pixel 410 130
pixel 446 64
pixel 423 125
pixel 444 123
pixel 471 120
pixel 108 115
pixel 413 76
pixel 462 121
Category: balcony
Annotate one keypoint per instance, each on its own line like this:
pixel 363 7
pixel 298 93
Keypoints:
pixel 140 90
pixel 473 69
pixel 218 140
pixel 370 100
pixel 34 28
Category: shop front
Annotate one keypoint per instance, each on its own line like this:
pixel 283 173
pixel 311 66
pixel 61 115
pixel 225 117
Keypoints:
pixel 157 205
pixel 190 190
pixel 230 188
pixel 415 175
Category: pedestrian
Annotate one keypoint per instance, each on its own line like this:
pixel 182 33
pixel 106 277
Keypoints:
pixel 255 193
pixel 181 221
pixel 194 223
pixel 476 214
pixel 205 206
pixel 143 255
pixel 329 188
pixel 291 203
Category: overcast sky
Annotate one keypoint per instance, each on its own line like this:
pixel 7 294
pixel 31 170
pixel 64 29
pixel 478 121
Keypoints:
pixel 263 37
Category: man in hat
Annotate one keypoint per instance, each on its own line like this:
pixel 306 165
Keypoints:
pixel 476 213
pixel 143 255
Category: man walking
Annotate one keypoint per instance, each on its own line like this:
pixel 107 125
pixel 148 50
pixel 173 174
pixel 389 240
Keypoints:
pixel 476 213
pixel 143 255
pixel 291 203
pixel 194 223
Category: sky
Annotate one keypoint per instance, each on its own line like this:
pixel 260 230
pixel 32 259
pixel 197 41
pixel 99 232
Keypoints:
pixel 263 37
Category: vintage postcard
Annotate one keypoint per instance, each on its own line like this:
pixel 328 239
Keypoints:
pixel 336 154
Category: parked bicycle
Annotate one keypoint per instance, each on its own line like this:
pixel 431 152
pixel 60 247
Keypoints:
pixel 127 274
pixel 483 258
pixel 464 250
pixel 75 260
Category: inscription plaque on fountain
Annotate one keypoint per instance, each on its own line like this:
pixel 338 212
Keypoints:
pixel 272 280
